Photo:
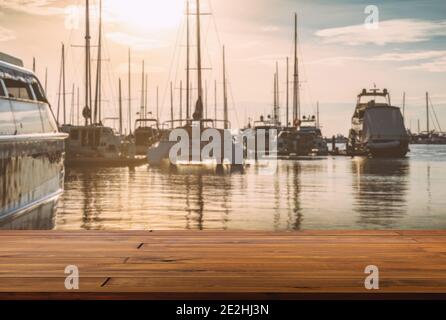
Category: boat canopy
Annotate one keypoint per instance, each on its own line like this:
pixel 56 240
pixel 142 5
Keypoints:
pixel 8 71
pixel 383 123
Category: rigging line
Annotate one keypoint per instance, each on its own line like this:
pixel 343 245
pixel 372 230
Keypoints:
pixel 234 106
pixel 177 58
pixel 167 85
pixel 435 114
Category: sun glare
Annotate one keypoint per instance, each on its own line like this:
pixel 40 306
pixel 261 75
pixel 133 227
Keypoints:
pixel 146 15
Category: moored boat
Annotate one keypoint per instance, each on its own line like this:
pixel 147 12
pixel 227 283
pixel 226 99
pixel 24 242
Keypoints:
pixel 378 128
pixel 31 146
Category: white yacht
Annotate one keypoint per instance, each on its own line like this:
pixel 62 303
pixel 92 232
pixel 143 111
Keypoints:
pixel 378 128
pixel 31 146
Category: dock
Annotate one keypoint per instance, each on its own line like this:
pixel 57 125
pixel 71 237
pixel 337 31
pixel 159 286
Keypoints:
pixel 222 264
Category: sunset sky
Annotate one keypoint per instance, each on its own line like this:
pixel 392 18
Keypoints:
pixel 338 55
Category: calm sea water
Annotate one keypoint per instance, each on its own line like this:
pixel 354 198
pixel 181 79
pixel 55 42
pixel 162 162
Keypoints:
pixel 325 193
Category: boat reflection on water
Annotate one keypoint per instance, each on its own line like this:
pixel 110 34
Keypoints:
pixel 41 217
pixel 380 188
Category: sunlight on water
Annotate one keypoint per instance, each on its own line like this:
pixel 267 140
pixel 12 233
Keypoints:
pixel 328 193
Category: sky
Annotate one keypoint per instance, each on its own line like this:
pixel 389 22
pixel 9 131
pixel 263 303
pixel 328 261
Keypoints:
pixel 339 53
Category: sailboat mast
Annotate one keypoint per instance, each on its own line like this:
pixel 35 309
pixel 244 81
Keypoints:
pixel 277 111
pixel 427 112
pixel 141 111
pixel 63 85
pixel 97 100
pixel 87 113
pixel 187 62
pixel 181 102
pixel 198 113
pixel 287 91
pixel 296 102
pixel 171 105
pixel 317 115
pixel 225 93
pixel 146 95
pixel 120 107
pixel 130 94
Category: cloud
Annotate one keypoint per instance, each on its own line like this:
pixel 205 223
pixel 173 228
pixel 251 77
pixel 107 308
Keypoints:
pixel 438 65
pixel 390 31
pixel 436 60
pixel 6 34
pixel 137 43
pixel 33 7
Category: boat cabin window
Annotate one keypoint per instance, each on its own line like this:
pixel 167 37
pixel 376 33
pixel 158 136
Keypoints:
pixel 7 124
pixel 18 89
pixel 2 91
pixel 38 92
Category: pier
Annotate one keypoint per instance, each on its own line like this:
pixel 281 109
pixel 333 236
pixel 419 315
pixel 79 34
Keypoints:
pixel 222 264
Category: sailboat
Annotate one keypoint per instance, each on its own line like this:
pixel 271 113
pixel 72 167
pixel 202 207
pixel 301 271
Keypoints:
pixel 303 137
pixel 147 130
pixel 93 143
pixel 195 125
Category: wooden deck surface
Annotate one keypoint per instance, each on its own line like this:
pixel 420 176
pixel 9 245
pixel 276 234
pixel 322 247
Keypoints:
pixel 207 264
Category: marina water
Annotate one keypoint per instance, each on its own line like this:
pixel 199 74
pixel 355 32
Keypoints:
pixel 313 193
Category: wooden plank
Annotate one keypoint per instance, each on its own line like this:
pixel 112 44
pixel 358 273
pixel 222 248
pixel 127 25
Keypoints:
pixel 254 264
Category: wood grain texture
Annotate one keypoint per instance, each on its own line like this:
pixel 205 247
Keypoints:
pixel 219 264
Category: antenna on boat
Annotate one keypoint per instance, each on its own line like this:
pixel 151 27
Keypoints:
pixel 317 115
pixel 97 100
pixel 34 64
pixel 198 114
pixel 404 108
pixel 157 102
pixel 225 93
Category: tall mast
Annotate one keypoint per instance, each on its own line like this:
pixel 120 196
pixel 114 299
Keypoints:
pixel 171 105
pixel 146 95
pixel 130 94
pixel 215 99
pixel 78 106
pixel 141 112
pixel 277 111
pixel 181 102
pixel 296 102
pixel 188 62
pixel 427 112
pixel 72 106
pixel 317 115
pixel 63 85
pixel 275 96
pixel 225 93
pixel 97 99
pixel 87 110
pixel 120 107
pixel 198 114
pixel 287 91
pixel 157 103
